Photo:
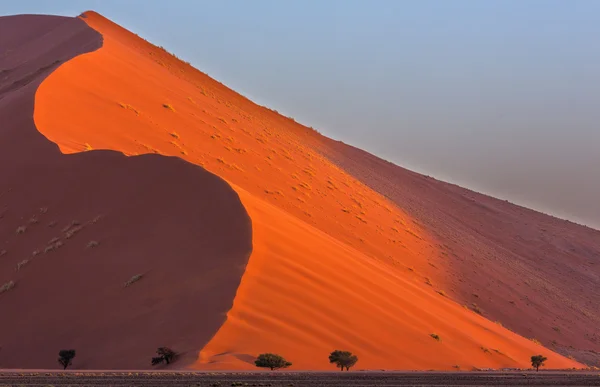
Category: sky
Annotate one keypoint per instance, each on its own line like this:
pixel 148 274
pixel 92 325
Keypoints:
pixel 502 97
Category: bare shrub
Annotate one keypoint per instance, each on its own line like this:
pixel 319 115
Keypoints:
pixel 7 286
pixel 133 280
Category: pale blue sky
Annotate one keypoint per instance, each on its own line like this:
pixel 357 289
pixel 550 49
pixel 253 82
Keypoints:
pixel 499 96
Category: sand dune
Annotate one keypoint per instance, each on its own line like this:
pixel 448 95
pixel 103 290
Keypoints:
pixel 536 274
pixel 305 293
pixel 75 228
pixel 334 263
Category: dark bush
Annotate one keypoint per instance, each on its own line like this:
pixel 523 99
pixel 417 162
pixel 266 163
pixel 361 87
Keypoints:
pixel 65 357
pixel 272 361
pixel 537 361
pixel 165 354
pixel 343 359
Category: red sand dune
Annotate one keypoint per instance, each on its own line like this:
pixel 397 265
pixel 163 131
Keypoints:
pixel 179 226
pixel 537 274
pixel 334 263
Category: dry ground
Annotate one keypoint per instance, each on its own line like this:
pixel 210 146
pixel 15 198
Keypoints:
pixel 280 379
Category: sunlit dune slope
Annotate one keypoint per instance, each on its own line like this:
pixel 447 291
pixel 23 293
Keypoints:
pixel 305 293
pixel 537 274
pixel 74 229
pixel 334 264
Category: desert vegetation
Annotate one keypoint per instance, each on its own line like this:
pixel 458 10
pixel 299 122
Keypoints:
pixel 92 244
pixel 133 280
pixel 272 361
pixel 129 107
pixel 537 361
pixel 22 264
pixel 65 357
pixel 7 286
pixel 343 359
pixel 165 355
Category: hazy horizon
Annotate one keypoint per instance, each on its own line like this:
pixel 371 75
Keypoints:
pixel 498 97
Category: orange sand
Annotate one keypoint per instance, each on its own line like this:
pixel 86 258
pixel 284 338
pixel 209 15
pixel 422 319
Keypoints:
pixel 334 264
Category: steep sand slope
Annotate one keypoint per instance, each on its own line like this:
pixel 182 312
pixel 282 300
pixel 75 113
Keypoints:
pixel 179 226
pixel 334 264
pixel 537 274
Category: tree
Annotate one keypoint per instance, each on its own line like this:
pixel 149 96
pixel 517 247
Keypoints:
pixel 272 361
pixel 165 354
pixel 65 356
pixel 537 361
pixel 343 359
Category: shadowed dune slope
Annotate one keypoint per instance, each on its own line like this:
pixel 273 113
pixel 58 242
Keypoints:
pixel 334 264
pixel 75 228
pixel 537 274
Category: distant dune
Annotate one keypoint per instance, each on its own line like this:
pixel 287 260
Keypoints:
pixel 253 233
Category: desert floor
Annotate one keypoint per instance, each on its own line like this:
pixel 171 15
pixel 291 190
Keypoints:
pixel 279 378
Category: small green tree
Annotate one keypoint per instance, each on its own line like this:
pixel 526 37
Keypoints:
pixel 165 354
pixel 272 361
pixel 65 357
pixel 537 361
pixel 343 359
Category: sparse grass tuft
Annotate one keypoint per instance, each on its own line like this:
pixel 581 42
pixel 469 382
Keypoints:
pixel 69 234
pixel 87 147
pixel 54 246
pixel 436 337
pixel 428 281
pixel 2 253
pixel 276 192
pixel 441 293
pixel 133 280
pixel 361 219
pixel 21 264
pixel 7 286
pixel 173 134
pixel 485 350
pixel 53 240
pixel 129 107
pixel 536 341
pixel 168 106
pixel 305 186
pixel 476 308
pixel 21 229
pixel 92 244
pixel 72 224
